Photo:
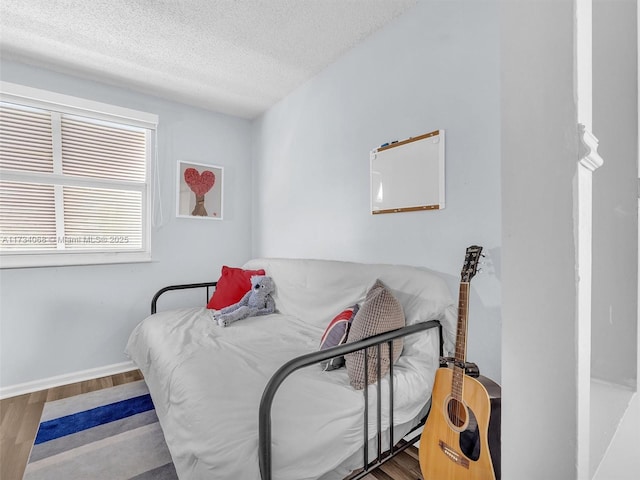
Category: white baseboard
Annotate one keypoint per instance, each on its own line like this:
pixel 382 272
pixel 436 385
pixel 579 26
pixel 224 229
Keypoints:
pixel 66 379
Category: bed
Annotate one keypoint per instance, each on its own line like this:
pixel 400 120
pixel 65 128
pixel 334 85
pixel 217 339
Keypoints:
pixel 250 401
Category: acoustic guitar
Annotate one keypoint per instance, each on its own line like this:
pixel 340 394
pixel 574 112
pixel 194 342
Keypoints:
pixel 461 438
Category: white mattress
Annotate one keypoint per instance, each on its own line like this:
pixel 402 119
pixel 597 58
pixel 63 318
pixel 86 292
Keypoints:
pixel 206 383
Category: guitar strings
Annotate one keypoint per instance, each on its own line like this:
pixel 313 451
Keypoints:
pixel 456 409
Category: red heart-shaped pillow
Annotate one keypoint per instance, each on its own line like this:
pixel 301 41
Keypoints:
pixel 199 184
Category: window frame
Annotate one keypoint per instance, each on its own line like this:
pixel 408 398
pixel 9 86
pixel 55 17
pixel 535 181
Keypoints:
pixel 66 104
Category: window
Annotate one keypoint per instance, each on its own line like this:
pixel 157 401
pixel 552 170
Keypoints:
pixel 74 180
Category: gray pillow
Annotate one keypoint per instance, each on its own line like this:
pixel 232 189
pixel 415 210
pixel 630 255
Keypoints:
pixel 379 313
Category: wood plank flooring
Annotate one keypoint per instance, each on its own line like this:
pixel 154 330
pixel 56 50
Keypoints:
pixel 404 466
pixel 20 417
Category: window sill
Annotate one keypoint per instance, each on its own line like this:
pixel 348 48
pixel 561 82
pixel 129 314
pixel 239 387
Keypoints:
pixel 30 260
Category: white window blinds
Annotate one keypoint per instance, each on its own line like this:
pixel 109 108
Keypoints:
pixel 72 183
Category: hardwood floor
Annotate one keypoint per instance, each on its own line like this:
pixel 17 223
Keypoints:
pixel 20 417
pixel 405 466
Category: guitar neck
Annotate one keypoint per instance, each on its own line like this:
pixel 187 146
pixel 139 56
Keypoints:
pixel 461 341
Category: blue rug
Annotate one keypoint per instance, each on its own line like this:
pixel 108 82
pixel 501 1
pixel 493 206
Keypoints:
pixel 107 434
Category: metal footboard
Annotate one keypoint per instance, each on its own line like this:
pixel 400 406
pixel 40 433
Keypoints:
pixel 264 422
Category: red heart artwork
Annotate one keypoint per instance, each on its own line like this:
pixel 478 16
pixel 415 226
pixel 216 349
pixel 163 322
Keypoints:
pixel 199 184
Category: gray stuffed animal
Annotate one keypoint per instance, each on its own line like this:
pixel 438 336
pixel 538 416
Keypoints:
pixel 257 301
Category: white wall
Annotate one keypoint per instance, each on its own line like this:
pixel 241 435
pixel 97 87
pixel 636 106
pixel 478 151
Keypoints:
pixel 539 151
pixel 615 188
pixel 56 321
pixel 435 67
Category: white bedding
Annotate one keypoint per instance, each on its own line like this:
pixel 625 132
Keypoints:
pixel 207 381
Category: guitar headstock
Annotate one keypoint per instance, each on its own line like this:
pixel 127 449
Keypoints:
pixel 471 260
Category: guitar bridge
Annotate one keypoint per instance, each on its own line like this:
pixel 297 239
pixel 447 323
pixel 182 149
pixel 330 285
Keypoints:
pixel 453 455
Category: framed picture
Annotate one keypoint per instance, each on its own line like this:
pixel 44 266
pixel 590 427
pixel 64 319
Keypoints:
pixel 199 193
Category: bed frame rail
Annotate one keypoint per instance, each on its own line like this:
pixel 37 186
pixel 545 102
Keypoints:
pixel 376 341
pixel 206 285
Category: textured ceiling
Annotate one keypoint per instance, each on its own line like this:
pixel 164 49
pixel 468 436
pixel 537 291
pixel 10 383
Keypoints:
pixel 233 56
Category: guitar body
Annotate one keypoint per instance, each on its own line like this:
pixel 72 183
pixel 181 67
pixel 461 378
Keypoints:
pixel 461 440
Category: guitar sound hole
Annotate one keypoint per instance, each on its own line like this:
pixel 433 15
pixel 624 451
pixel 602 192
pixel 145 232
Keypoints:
pixel 457 413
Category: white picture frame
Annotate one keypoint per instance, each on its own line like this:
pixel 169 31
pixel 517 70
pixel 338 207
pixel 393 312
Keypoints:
pixel 199 193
